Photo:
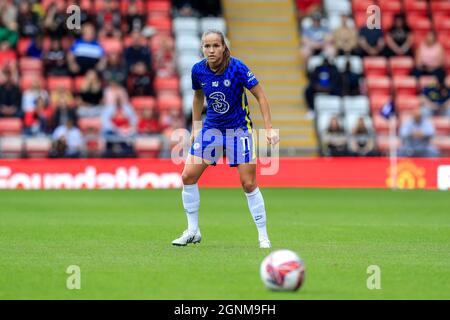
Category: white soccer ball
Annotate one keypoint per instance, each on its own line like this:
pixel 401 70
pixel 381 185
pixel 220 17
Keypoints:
pixel 282 270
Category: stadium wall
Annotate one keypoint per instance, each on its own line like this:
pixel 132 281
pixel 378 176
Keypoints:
pixel 163 173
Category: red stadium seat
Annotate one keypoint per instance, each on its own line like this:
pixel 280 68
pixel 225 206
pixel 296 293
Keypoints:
pixel 140 103
pixel 384 142
pixel 440 6
pixel 442 24
pixel 387 20
pixel 55 82
pixel 405 85
pixel 361 5
pixel 443 144
pixel 10 126
pixel 90 125
pixel 167 85
pixel 159 8
pixel 442 125
pixel 111 45
pixel 27 64
pixel 375 66
pixel 124 6
pixel 378 85
pixel 26 80
pixel 416 6
pixel 360 19
pixel 407 103
pixel 167 102
pixel 22 45
pixel 418 22
pixel 147 147
pixel 390 6
pixel 11 147
pixel 401 65
pixel 7 57
pixel 37 147
pixel 162 25
pixel 418 37
pixel 377 101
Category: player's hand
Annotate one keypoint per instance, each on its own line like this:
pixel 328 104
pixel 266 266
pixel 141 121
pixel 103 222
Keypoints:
pixel 272 137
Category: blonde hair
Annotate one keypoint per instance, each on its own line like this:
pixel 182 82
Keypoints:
pixel 226 54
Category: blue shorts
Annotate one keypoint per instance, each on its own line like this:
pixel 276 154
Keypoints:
pixel 238 145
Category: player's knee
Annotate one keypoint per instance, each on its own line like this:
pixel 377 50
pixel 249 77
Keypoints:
pixel 188 178
pixel 248 185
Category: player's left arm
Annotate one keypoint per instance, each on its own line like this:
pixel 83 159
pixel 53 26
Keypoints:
pixel 258 92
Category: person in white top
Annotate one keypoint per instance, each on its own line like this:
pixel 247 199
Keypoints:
pixel 68 140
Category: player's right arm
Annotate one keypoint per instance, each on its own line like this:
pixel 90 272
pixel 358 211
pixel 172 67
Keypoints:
pixel 197 109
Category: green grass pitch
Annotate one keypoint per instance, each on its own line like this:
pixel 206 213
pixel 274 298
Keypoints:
pixel 121 241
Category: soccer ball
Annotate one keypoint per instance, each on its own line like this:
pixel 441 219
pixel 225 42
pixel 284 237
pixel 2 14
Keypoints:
pixel 282 270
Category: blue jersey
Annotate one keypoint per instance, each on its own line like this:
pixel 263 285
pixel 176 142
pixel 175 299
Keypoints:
pixel 225 94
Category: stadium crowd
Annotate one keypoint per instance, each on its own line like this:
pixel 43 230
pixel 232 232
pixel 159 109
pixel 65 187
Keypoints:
pixel 403 63
pixel 96 90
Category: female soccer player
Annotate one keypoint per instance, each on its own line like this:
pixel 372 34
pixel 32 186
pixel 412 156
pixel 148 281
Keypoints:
pixel 223 80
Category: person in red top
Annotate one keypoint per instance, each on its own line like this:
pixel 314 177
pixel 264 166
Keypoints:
pixel 149 122
pixel 307 7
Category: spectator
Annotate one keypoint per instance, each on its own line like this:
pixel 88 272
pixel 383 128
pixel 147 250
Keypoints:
pixel 324 79
pixel 430 58
pixel 30 96
pixel 8 25
pixel 27 20
pixel 335 139
pixel 134 18
pixel 362 141
pixel 186 8
pixel 113 92
pixel 38 121
pixel 86 53
pixel 67 141
pixel 149 122
pixel 63 112
pixel 371 42
pixel 35 50
pixel 416 134
pixel 171 120
pixel 140 81
pixel 61 93
pixel 115 69
pixel 109 31
pixel 164 61
pixel 55 20
pixel 350 81
pixel 55 61
pixel 435 99
pixel 210 8
pixel 137 52
pixel 317 39
pixel 399 38
pixel 345 38
pixel 119 124
pixel 109 16
pixel 91 95
pixel 10 97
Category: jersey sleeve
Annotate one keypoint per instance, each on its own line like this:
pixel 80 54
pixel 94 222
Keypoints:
pixel 194 78
pixel 248 79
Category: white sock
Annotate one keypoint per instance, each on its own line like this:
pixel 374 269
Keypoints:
pixel 256 205
pixel 191 204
